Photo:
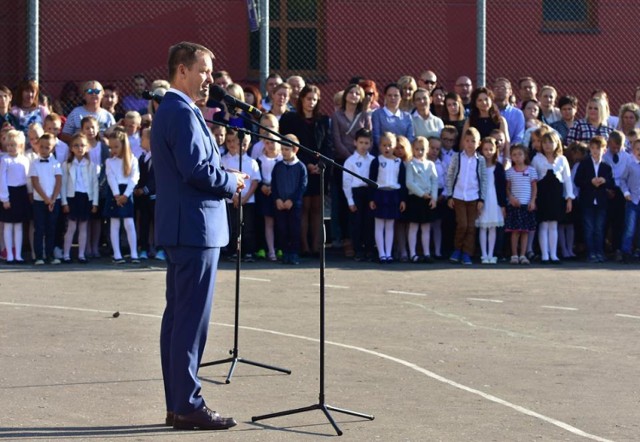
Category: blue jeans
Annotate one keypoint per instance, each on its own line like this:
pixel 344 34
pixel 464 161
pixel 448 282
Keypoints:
pixel 594 218
pixel 44 222
pixel 630 222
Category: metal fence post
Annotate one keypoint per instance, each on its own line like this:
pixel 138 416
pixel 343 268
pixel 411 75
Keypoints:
pixel 264 44
pixel 33 35
pixel 481 42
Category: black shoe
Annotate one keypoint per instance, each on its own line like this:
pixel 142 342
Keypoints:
pixel 202 419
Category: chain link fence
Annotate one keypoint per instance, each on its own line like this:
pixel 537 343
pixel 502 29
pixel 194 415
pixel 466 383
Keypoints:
pixel 575 45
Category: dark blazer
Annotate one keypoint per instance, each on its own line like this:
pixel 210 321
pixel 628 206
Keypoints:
pixel 190 182
pixel 500 178
pixel 147 181
pixel 588 192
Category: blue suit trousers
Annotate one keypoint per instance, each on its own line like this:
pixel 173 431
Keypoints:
pixel 191 275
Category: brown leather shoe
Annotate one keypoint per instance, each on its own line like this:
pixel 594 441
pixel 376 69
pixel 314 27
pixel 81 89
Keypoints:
pixel 168 421
pixel 202 419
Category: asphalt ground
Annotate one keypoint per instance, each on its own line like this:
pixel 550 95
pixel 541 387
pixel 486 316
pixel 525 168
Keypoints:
pixel 434 352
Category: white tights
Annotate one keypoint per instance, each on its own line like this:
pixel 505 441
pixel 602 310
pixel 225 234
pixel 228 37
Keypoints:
pixel 548 238
pixel 12 233
pixel 384 236
pixel 413 238
pixel 82 238
pixel 487 241
pixel 130 228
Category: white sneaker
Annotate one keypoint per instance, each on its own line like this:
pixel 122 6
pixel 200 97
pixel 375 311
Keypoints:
pixel 55 261
pixel 485 260
pixel 493 260
pixel 57 253
pixel 39 262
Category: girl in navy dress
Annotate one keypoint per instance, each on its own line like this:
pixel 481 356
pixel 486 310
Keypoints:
pixel 122 175
pixel 16 208
pixel 270 156
pixel 98 154
pixel 555 194
pixel 388 200
pixel 521 193
pixel 79 195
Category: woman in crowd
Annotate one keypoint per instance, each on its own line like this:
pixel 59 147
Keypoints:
pixel 408 86
pixel 27 108
pixel 455 115
pixel 314 132
pixel 484 114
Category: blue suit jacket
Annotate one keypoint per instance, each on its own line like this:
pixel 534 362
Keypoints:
pixel 588 192
pixel 190 182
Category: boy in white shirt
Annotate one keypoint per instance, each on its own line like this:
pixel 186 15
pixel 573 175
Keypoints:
pixel 357 193
pixel 46 178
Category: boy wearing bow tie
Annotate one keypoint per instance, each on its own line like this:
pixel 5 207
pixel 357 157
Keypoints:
pixel 46 178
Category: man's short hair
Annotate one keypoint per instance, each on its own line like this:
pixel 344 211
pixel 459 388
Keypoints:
pixel 185 53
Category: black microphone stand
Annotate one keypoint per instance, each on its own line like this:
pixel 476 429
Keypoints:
pixel 234 352
pixel 321 404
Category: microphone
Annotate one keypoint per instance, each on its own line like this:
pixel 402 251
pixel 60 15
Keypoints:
pixel 147 95
pixel 219 94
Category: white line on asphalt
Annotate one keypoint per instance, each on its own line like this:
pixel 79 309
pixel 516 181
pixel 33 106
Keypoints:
pixel 248 278
pixel 411 365
pixel 556 307
pixel 331 286
pixel 399 292
pixel 497 301
pixel 622 315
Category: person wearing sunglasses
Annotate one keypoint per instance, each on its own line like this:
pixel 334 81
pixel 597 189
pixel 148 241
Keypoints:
pixel 92 94
pixel 428 80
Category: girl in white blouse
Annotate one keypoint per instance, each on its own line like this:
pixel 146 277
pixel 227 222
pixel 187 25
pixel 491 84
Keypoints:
pixel 122 176
pixel 555 194
pixel 14 194
pixel 79 195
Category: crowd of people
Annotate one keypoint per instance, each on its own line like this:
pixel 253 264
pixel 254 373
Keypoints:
pixel 515 172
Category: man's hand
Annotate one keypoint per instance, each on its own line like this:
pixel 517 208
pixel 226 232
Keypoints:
pixel 65 209
pixel 240 177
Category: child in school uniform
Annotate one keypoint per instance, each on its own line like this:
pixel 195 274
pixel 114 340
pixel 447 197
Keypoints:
pixel 422 187
pixel 435 147
pixel 288 184
pixel 357 192
pixel 492 216
pixel 14 194
pixel 466 189
pixel 630 186
pixel 145 198
pixel 521 194
pixel 98 154
pixel 53 124
pixel 594 177
pixel 132 122
pixel 246 199
pixel 46 179
pixel 555 194
pixel 266 162
pixel 122 176
pixel 79 195
pixel 389 199
pixel 401 226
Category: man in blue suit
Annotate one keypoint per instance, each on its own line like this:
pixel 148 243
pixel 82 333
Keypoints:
pixel 191 225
